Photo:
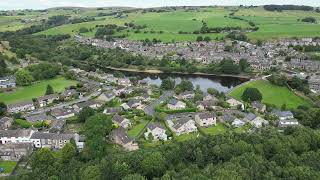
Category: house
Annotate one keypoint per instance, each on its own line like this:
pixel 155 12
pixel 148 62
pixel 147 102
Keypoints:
pixel 206 119
pixel 157 132
pixel 314 83
pixel 259 122
pixel 90 103
pixel 7 82
pixel 259 107
pixel 5 123
pixel 62 113
pixel 21 107
pixel 249 117
pixel 121 121
pixel 124 82
pixel 39 118
pixel 15 136
pixel 112 110
pixel 174 104
pixel 15 151
pixel 182 125
pixel 69 94
pixel 134 103
pixel 283 115
pixel 235 103
pixel 119 90
pixel 238 123
pixel 205 105
pixel 57 125
pixel 120 137
pixel 47 99
pixel 186 95
pixel 288 123
pixel 52 140
pixel 105 97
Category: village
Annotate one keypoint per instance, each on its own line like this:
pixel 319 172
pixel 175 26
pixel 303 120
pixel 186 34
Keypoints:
pixel 142 114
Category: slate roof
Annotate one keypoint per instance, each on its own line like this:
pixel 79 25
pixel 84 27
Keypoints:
pixel 15 133
pixel 153 126
pixel 181 121
pixel 173 102
pixel 20 104
pixel 38 117
pixel 283 113
pixel 5 119
pixel 117 118
pixel 206 115
pixel 47 97
pixel 122 135
pixel 42 135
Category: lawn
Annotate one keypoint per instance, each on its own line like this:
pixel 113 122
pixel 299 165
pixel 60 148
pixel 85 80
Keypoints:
pixel 36 90
pixel 272 94
pixel 213 130
pixel 189 136
pixel 8 166
pixel 135 130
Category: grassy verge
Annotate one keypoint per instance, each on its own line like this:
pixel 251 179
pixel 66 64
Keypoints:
pixel 272 94
pixel 8 166
pixel 35 90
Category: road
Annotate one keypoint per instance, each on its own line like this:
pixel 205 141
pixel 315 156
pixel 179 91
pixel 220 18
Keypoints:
pixel 65 104
pixel 149 110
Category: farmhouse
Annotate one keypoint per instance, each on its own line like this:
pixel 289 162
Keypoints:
pixel 206 119
pixel 182 125
pixel 21 107
pixel 121 121
pixel 47 99
pixel 5 123
pixel 174 104
pixel 15 151
pixel 15 136
pixel 157 132
pixel 120 136
pixel 7 82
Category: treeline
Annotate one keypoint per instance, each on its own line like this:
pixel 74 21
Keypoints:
pixel 269 154
pixel 307 48
pixel 205 29
pixel 287 7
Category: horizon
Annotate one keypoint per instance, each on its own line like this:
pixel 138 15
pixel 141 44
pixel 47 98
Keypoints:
pixel 47 4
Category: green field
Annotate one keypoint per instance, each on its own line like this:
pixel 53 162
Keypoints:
pixel 8 166
pixel 272 94
pixel 33 91
pixel 135 130
pixel 218 129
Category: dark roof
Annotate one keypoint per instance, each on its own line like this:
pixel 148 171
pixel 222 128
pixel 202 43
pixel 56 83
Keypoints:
pixel 47 97
pixel 113 109
pixel 86 104
pixel 186 93
pixel 250 116
pixel 57 124
pixel 15 133
pixel 173 102
pixel 122 135
pixel 38 117
pixel 131 102
pixel 206 115
pixel 5 119
pixel 257 104
pixel 181 121
pixel 117 118
pixel 20 104
pixel 42 135
pixel 61 112
pixel 152 126
pixel 282 113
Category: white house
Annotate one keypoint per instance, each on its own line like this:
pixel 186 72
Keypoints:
pixel 206 119
pixel 174 104
pixel 21 107
pixel 235 103
pixel 157 131
pixel 288 123
pixel 258 122
pixel 52 140
pixel 47 99
pixel 182 125
pixel 283 115
pixel 238 123
pixel 15 136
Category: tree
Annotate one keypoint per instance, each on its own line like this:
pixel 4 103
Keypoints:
pixel 91 173
pixel 68 152
pixel 154 164
pixel 168 84
pixel 244 65
pixel 207 39
pixel 49 90
pixel 185 85
pixel 134 177
pixel 3 108
pixel 23 77
pixel 85 113
pixel 199 38
pixel 251 94
pixel 212 91
pixel 43 164
pixel 83 30
pixel 228 67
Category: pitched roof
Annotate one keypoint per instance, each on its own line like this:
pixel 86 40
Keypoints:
pixel 153 126
pixel 39 117
pixel 117 118
pixel 173 102
pixel 181 121
pixel 61 112
pixel 47 97
pixel 5 119
pixel 20 104
pixel 206 115
pixel 43 135
pixel 122 135
pixel 15 133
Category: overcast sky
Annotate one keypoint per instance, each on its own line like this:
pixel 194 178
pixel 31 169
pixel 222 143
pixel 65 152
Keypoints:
pixel 43 4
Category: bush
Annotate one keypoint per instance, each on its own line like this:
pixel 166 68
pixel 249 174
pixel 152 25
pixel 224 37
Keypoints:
pixel 23 123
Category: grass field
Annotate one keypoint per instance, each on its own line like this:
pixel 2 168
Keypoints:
pixel 218 129
pixel 272 94
pixel 8 166
pixel 135 130
pixel 33 91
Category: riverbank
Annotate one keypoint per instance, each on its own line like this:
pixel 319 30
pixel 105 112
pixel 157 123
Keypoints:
pixel 156 71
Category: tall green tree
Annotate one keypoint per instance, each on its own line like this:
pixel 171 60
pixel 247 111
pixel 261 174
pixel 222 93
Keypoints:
pixel 251 94
pixel 49 90
pixel 168 84
pixel 154 164
pixel 85 113
pixel 3 108
pixel 23 77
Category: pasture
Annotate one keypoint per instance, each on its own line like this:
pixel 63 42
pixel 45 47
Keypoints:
pixel 272 94
pixel 35 90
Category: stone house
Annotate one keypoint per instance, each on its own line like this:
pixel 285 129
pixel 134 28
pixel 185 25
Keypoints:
pixel 121 121
pixel 52 140
pixel 174 104
pixel 21 107
pixel 47 99
pixel 288 123
pixel 15 151
pixel 63 113
pixel 235 103
pixel 259 107
pixel 182 125
pixel 15 136
pixel 120 137
pixel 105 97
pixel 7 82
pixel 206 119
pixel 157 131
pixel 5 123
